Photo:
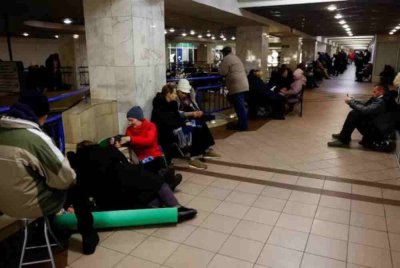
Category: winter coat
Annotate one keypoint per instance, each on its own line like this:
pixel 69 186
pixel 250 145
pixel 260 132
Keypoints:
pixel 34 173
pixel 106 174
pixel 144 140
pixel 235 75
pixel 167 118
pixel 293 94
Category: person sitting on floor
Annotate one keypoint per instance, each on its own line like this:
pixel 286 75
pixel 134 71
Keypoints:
pixel 293 93
pixel 105 174
pixel 174 127
pixel 369 118
pixel 142 138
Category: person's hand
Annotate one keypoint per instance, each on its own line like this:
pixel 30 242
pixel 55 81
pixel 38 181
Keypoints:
pixel 125 139
pixel 348 99
pixel 198 114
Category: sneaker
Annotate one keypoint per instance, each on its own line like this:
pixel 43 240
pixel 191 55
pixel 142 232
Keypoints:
pixel 211 154
pixel 336 136
pixel 196 163
pixel 338 144
pixel 185 214
pixel 89 243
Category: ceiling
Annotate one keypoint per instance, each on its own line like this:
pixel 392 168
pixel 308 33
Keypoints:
pixel 364 17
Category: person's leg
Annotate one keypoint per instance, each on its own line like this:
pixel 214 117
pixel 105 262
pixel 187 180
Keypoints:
pixel 352 121
pixel 167 197
pixel 240 109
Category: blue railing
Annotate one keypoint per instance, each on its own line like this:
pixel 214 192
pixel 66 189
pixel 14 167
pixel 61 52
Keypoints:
pixel 210 93
pixel 54 124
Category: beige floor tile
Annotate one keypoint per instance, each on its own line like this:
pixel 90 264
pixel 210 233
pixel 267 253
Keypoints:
pixel 312 261
pixel 366 190
pixel 204 203
pixel 251 188
pixel 231 209
pixel 73 256
pixel 270 203
pixel 306 198
pixel 123 241
pixel 190 188
pixel 351 265
pixel 333 214
pixel 394 241
pixel 368 221
pixel 225 184
pixel 183 198
pixel 273 256
pixel 268 217
pixel 288 238
pixel 221 261
pixel 200 179
pixel 147 230
pixel 308 182
pixel 392 211
pixel 337 186
pixel 241 248
pixel 175 233
pixel 102 258
pixel 300 209
pixel 367 208
pixel 335 202
pixel 391 194
pixel 369 237
pixel 206 239
pixel 396 259
pixel 220 223
pixel 294 222
pixel 261 175
pixel 132 262
pixel 186 256
pixel 199 219
pixel 242 198
pixel 253 230
pixel 330 229
pixel 369 256
pixel 276 192
pixel 327 247
pixel 283 178
pixel 393 225
pixel 215 193
pixel 155 249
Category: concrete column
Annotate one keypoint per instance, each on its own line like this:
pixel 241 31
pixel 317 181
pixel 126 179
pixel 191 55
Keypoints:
pixel 80 55
pixel 290 53
pixel 67 56
pixel 308 49
pixel 387 51
pixel 252 47
pixel 126 52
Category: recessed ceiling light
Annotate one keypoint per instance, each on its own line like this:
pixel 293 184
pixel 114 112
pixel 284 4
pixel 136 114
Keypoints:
pixel 67 21
pixel 332 8
pixel 338 16
pixel 213 37
pixel 397 27
pixel 345 26
pixel 172 30
pixel 391 33
pixel 200 36
pixel 184 34
pixel 222 36
pixel 75 36
pixel 233 38
pixel 165 32
pixel 56 36
pixel 342 22
pixel 192 32
pixel 350 34
pixel 208 34
pixel 25 34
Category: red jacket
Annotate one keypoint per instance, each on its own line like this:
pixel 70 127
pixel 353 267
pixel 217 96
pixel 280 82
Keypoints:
pixel 144 140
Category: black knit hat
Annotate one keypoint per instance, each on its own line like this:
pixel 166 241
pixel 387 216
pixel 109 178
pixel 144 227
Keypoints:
pixel 37 102
pixel 135 112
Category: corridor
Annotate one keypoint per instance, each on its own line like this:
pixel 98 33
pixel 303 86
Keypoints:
pixel 278 197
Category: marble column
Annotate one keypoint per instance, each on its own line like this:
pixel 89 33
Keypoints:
pixel 290 53
pixel 308 49
pixel 67 57
pixel 80 55
pixel 126 52
pixel 252 47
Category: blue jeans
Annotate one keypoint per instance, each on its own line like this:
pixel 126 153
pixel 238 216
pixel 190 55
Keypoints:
pixel 238 103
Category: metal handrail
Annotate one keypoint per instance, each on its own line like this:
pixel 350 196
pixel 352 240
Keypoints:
pixel 196 78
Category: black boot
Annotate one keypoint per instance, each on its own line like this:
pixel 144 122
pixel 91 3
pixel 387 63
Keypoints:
pixel 175 181
pixel 89 243
pixel 185 214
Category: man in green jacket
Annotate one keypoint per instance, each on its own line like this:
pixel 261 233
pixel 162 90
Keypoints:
pixel 367 117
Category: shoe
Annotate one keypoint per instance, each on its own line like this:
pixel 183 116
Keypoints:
pixel 175 181
pixel 336 136
pixel 89 243
pixel 196 163
pixel 338 144
pixel 211 154
pixel 185 214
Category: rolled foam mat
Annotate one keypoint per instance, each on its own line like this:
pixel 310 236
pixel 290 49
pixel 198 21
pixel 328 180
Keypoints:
pixel 122 218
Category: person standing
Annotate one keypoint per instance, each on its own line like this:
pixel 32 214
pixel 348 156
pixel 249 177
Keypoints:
pixel 237 84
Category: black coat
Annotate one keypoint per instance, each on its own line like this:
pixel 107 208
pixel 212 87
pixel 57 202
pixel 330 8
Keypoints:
pixel 106 174
pixel 166 117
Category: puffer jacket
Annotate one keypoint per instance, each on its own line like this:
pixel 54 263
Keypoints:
pixel 34 173
pixel 235 75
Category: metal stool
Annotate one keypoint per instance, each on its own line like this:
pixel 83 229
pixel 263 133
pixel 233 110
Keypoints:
pixel 47 230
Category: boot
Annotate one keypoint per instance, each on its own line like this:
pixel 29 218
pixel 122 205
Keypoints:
pixel 185 214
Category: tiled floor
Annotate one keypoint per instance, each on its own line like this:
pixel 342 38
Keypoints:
pixel 259 225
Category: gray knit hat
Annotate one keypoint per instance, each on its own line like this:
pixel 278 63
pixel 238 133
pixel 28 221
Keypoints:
pixel 135 112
